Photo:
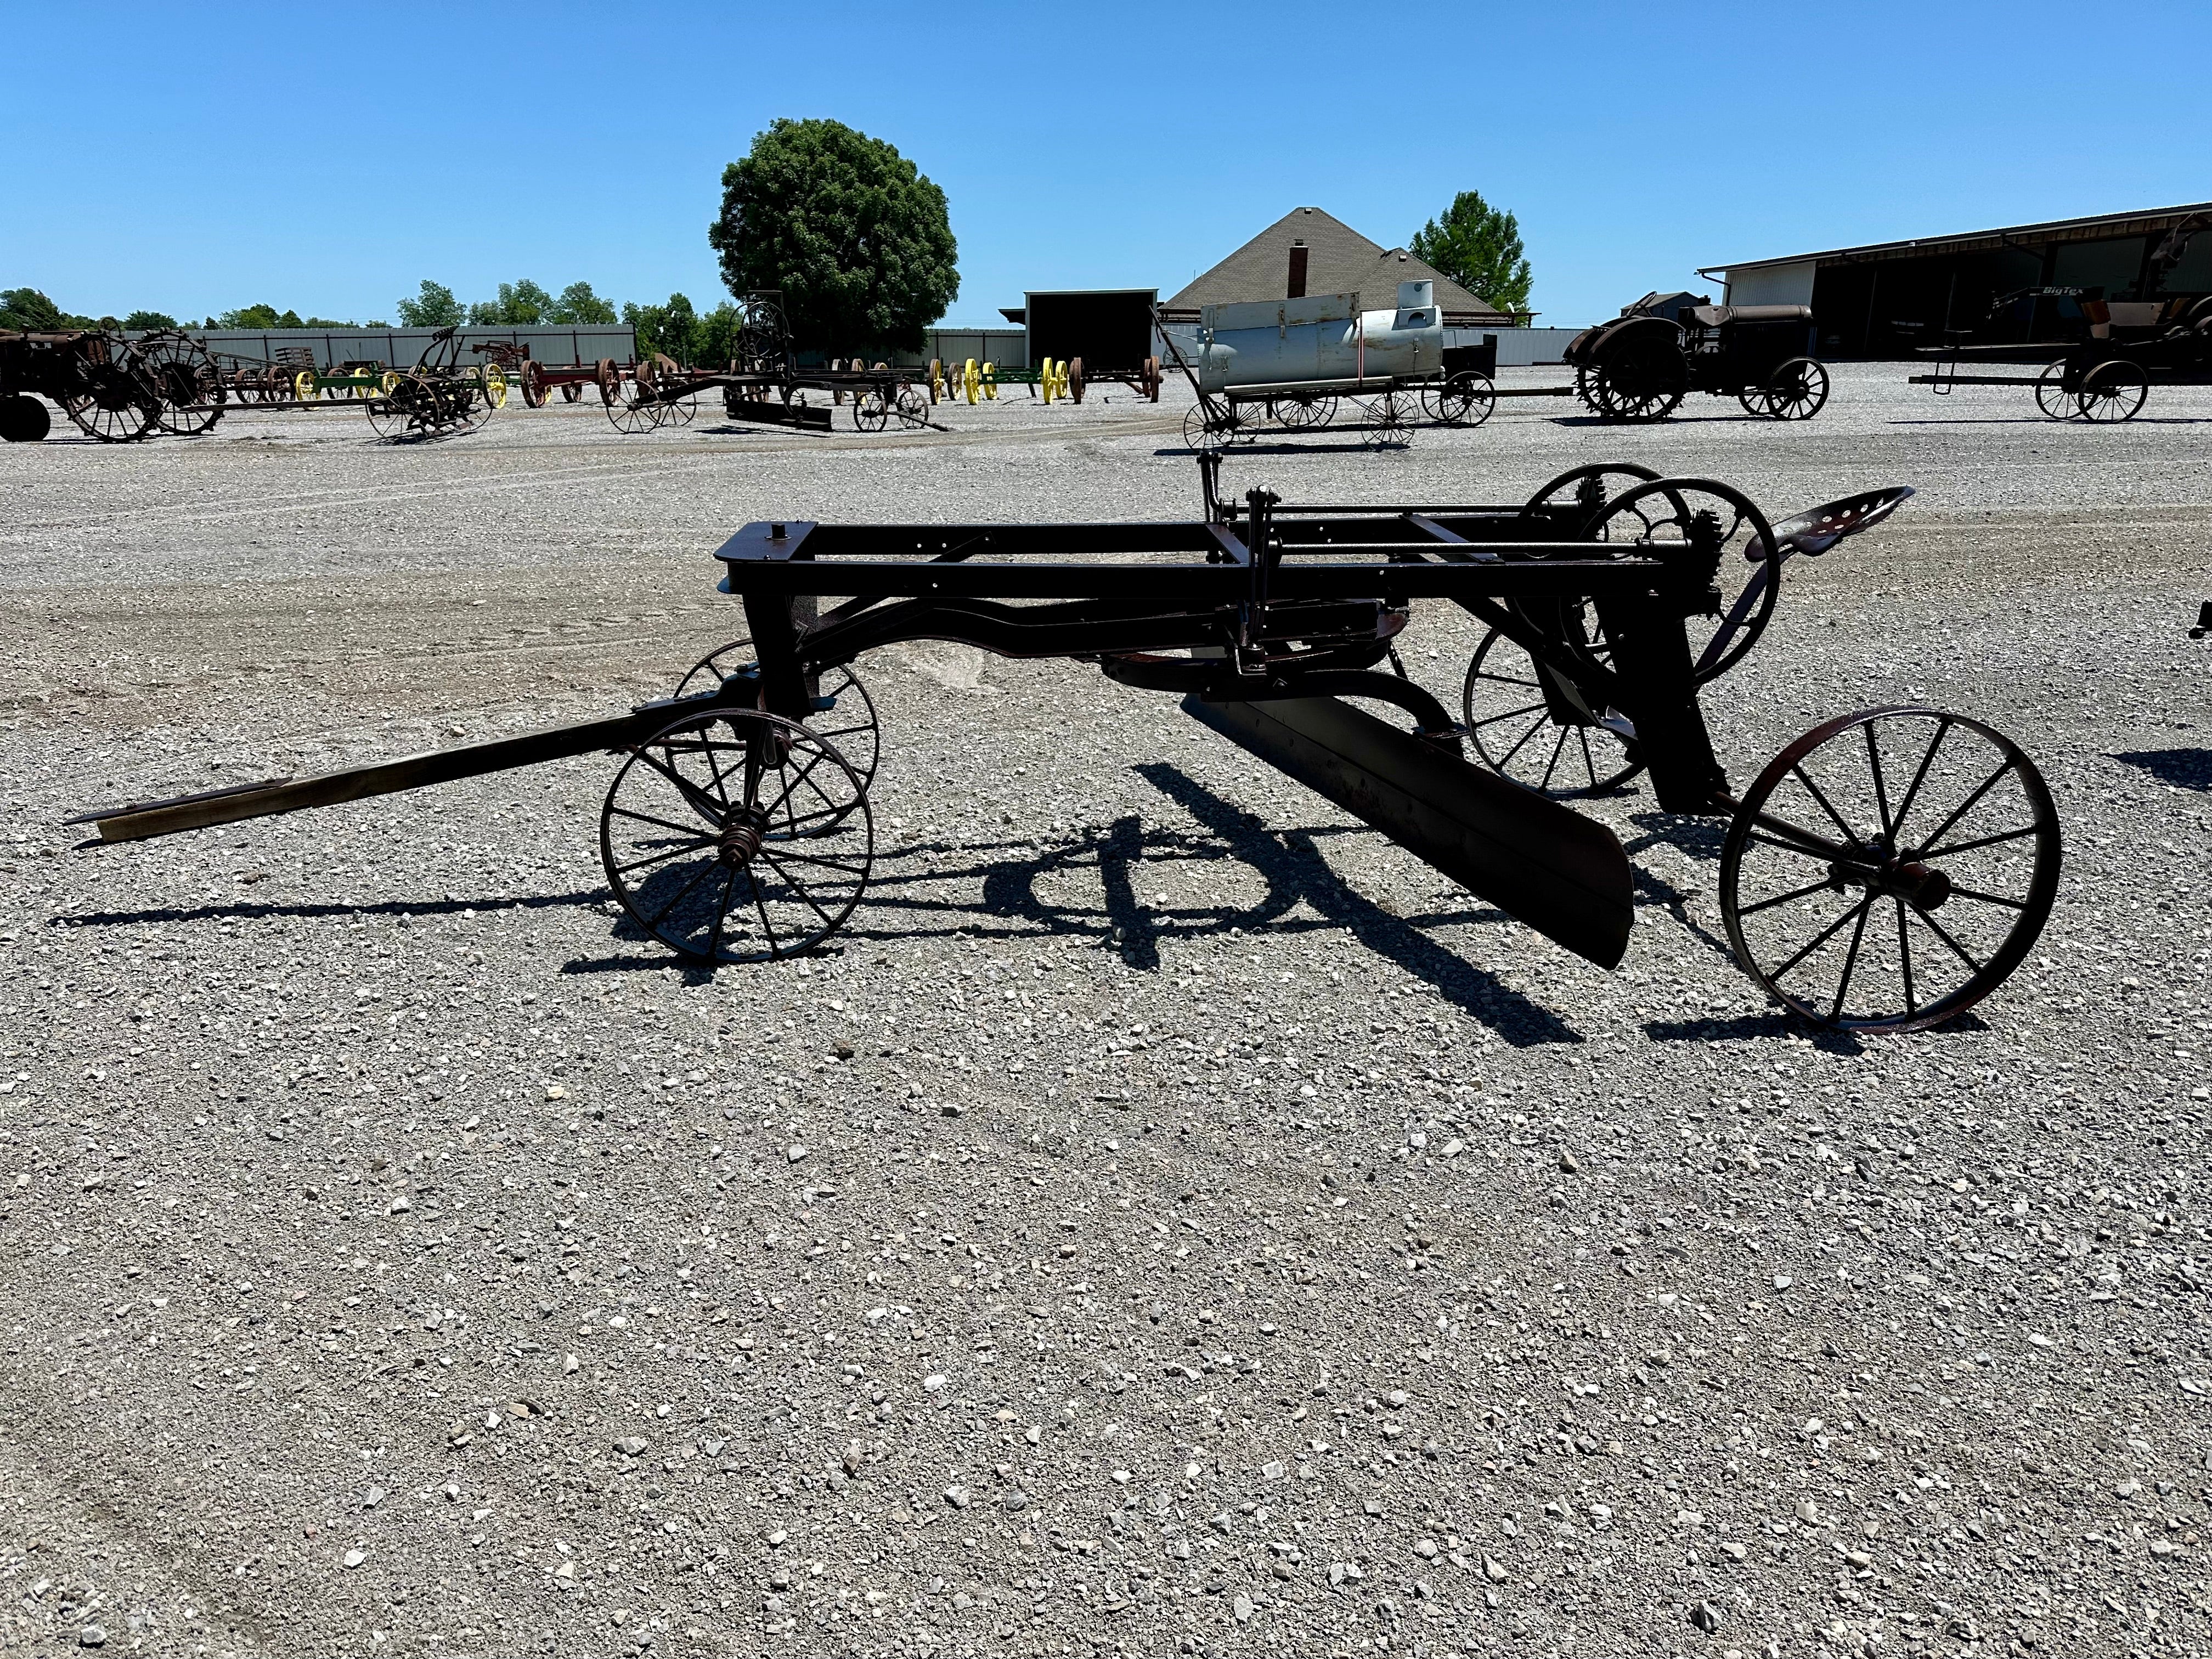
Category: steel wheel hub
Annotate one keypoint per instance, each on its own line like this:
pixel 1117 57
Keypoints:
pixel 742 834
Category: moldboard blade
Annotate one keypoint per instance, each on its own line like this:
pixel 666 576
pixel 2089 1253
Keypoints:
pixel 1534 859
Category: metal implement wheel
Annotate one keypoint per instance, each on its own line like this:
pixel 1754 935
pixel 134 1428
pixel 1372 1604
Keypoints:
pixel 871 410
pixel 911 405
pixel 2113 391
pixel 1797 390
pixel 119 405
pixel 1514 709
pixel 533 384
pixel 846 715
pixel 2052 396
pixel 630 409
pixel 1304 412
pixel 1672 513
pixel 1589 486
pixel 733 835
pixel 409 409
pixel 1890 868
pixel 681 412
pixel 1636 384
pixel 191 385
pixel 494 388
pixel 1466 399
pixel 1205 426
pixel 571 391
pixel 1389 421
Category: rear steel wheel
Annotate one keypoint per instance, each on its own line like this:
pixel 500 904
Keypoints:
pixel 1640 385
pixel 1466 399
pixel 2113 391
pixel 120 405
pixel 734 836
pixel 1389 421
pixel 846 714
pixel 1889 869
pixel 191 388
pixel 1511 706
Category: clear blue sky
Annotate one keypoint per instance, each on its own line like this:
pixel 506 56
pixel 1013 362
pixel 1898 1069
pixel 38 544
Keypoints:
pixel 325 157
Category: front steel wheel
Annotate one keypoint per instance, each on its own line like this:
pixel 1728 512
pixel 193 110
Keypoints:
pixel 713 837
pixel 1890 869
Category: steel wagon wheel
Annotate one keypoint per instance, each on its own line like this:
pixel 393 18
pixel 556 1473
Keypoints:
pixel 118 405
pixel 1389 421
pixel 2113 391
pixel 1517 734
pixel 2052 395
pixel 1466 399
pixel 1890 869
pixel 1668 512
pixel 846 715
pixel 1302 412
pixel 1797 390
pixel 192 393
pixel 734 836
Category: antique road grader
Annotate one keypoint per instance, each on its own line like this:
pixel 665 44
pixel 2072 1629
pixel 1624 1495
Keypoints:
pixel 1885 870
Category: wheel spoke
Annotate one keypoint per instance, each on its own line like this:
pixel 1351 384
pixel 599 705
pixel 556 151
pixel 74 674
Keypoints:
pixel 1904 958
pixel 1943 933
pixel 1851 957
pixel 760 904
pixel 663 858
pixel 1975 846
pixel 1799 840
pixel 1504 759
pixel 1492 720
pixel 1557 748
pixel 1912 793
pixel 721 913
pixel 683 892
pixel 1987 898
pixel 1969 804
pixel 798 887
pixel 1820 886
pixel 700 802
pixel 657 823
pixel 1814 789
pixel 785 850
pixel 1818 940
pixel 1881 788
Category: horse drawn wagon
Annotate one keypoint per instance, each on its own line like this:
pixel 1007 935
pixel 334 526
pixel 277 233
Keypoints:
pixel 1885 870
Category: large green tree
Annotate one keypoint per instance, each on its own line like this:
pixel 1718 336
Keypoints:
pixel 434 307
pixel 857 239
pixel 671 328
pixel 28 309
pixel 577 304
pixel 1478 248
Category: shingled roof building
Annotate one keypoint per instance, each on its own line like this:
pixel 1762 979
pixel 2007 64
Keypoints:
pixel 1307 252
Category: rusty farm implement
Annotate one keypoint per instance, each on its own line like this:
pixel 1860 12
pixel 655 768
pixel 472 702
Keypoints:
pixel 1886 870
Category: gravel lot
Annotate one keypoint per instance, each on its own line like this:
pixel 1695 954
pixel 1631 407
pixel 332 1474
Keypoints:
pixel 1176 1221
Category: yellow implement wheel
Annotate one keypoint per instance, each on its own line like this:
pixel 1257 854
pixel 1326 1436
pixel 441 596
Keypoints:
pixel 991 382
pixel 1047 386
pixel 936 380
pixel 387 383
pixel 971 381
pixel 303 385
pixel 495 384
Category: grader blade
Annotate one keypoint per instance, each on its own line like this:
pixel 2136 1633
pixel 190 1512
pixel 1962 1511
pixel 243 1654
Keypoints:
pixel 1534 859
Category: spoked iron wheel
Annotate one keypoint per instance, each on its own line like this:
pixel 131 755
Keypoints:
pixel 737 836
pixel 1589 486
pixel 1205 426
pixel 871 410
pixel 1389 421
pixel 407 410
pixel 1669 511
pixel 1890 869
pixel 630 410
pixel 2052 395
pixel 1517 729
pixel 571 391
pixel 1466 399
pixel 1797 390
pixel 120 405
pixel 1303 413
pixel 192 387
pixel 1638 386
pixel 2114 391
pixel 681 412
pixel 847 718
pixel 911 405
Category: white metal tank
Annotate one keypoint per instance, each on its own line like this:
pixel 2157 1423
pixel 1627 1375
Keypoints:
pixel 1322 337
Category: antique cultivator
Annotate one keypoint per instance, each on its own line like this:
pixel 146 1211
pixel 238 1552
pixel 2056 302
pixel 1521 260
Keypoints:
pixel 1886 870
